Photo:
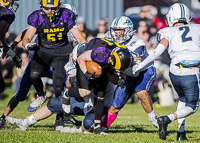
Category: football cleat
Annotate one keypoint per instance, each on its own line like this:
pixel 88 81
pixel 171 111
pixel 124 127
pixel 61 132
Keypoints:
pixel 104 129
pixel 97 129
pixel 69 119
pixel 59 125
pixel 181 136
pixel 163 122
pixel 66 102
pixel 37 103
pixel 2 122
pixel 154 122
pixel 18 122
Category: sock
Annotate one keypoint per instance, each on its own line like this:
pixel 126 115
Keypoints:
pixel 30 120
pixel 181 128
pixel 74 92
pixel 41 93
pixel 99 109
pixel 59 116
pixel 152 115
pixel 3 116
pixel 181 125
pixel 109 119
pixel 171 117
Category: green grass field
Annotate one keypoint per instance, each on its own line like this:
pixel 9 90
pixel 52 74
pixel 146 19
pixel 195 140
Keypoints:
pixel 132 125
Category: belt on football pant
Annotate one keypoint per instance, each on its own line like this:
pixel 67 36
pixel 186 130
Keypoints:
pixel 181 66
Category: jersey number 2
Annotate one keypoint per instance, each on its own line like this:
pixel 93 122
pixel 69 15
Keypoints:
pixel 183 36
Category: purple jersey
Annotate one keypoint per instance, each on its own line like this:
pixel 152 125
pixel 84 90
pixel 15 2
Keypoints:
pixel 101 50
pixel 52 35
pixel 7 15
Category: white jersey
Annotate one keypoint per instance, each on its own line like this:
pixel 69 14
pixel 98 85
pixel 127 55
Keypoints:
pixel 70 68
pixel 136 46
pixel 184 44
pixel 71 39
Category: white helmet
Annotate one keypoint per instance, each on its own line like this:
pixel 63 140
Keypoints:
pixel 178 12
pixel 71 7
pixel 78 50
pixel 121 22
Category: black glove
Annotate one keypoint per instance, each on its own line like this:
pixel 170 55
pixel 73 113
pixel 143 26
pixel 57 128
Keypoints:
pixel 18 61
pixel 33 46
pixel 90 76
pixel 121 82
pixel 73 80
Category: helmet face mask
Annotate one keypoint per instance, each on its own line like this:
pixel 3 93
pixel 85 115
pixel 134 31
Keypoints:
pixel 45 5
pixel 10 4
pixel 178 13
pixel 121 23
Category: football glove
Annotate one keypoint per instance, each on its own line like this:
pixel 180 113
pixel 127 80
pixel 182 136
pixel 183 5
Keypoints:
pixel 121 82
pixel 32 46
pixel 73 80
pixel 18 61
pixel 90 76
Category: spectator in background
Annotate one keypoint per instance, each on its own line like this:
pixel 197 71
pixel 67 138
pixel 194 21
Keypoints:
pixel 142 32
pixel 6 66
pixel 146 14
pixel 159 20
pixel 152 30
pixel 102 28
pixel 82 26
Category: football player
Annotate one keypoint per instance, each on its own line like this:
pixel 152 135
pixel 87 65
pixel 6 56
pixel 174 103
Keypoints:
pixel 7 17
pixel 181 39
pixel 99 51
pixel 121 31
pixel 52 24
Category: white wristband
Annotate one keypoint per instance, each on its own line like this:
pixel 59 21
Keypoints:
pixel 11 53
pixel 27 46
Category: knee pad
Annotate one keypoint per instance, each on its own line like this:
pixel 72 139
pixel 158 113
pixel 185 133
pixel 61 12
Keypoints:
pixel 58 85
pixel 120 97
pixel 35 75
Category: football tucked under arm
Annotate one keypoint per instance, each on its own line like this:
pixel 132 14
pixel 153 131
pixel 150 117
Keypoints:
pixel 93 67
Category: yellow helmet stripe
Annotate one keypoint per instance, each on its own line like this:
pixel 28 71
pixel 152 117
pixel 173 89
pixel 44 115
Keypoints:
pixel 56 3
pixel 44 3
pixel 5 3
pixel 117 62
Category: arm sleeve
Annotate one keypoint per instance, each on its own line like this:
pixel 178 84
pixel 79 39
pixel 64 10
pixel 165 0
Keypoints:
pixel 153 55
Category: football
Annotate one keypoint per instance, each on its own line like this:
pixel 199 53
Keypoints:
pixel 93 67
